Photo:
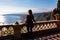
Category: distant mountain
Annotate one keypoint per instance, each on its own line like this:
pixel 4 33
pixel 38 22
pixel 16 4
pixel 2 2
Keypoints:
pixel 42 16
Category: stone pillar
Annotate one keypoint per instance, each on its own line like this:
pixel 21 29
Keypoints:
pixel 17 34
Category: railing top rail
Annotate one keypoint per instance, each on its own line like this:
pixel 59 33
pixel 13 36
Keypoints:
pixel 38 22
pixel 48 21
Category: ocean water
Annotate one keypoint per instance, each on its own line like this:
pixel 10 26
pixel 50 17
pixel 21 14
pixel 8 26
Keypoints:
pixel 11 18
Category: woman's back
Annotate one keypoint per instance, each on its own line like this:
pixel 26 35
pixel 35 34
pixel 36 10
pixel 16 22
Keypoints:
pixel 29 19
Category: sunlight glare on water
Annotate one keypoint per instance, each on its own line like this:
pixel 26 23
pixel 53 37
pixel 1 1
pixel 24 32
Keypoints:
pixel 2 20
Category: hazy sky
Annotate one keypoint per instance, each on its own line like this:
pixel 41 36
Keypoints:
pixel 17 6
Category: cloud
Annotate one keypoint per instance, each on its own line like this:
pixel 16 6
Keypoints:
pixel 39 10
pixel 8 9
pixel 11 9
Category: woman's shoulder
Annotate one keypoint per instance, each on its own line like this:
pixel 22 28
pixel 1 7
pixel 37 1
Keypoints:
pixel 27 15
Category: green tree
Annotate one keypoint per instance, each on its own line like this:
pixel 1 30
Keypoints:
pixel 58 6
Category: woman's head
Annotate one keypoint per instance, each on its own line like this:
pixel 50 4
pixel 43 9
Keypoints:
pixel 30 12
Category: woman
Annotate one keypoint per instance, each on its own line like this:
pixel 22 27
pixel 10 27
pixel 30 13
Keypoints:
pixel 29 21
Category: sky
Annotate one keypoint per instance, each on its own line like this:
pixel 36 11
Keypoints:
pixel 18 6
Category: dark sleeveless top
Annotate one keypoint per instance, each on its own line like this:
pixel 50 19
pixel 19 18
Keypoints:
pixel 29 20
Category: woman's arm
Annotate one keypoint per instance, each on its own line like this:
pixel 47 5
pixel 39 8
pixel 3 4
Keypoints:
pixel 34 19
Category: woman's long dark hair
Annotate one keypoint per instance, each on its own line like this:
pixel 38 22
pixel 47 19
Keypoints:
pixel 30 12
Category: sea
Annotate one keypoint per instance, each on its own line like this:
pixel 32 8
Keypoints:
pixel 11 18
pixel 20 17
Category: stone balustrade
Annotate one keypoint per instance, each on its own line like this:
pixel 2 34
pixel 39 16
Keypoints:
pixel 16 30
